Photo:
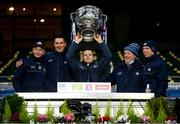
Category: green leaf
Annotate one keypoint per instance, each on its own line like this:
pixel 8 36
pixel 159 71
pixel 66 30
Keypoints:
pixel 120 110
pixel 23 114
pixel 35 114
pixel 50 112
pixel 64 108
pixel 7 112
pixel 132 116
pixel 108 109
pixel 95 110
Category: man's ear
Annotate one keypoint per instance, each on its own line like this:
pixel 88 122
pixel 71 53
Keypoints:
pixel 44 52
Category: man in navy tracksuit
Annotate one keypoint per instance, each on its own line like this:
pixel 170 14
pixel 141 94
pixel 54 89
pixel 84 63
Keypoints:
pixel 57 66
pixel 88 70
pixel 30 76
pixel 128 75
pixel 155 71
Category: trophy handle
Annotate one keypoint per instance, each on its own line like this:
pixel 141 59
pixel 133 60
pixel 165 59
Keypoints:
pixel 72 16
pixel 104 17
pixel 73 26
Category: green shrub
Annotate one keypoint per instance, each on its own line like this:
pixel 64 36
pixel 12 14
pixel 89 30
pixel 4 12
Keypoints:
pixel 7 112
pixel 23 114
pixel 14 101
pixel 49 113
pixel 35 114
pixel 64 108
pixel 132 116
pixel 120 110
pixel 157 108
pixel 108 109
pixel 95 110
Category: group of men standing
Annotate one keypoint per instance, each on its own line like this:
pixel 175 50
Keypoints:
pixel 41 71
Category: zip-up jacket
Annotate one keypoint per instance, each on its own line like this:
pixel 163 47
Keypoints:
pixel 156 74
pixel 57 70
pixel 128 79
pixel 30 76
pixel 93 72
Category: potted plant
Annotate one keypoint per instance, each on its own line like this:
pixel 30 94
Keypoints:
pixel 131 113
pixel 68 115
pixel 34 116
pixel 120 110
pixel 50 113
pixel 6 117
pixel 23 114
pixel 157 109
pixel 95 111
pixel 15 103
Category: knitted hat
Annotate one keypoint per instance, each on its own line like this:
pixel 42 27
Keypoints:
pixel 151 44
pixel 133 47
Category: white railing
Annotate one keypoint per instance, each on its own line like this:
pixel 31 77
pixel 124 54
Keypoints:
pixel 56 99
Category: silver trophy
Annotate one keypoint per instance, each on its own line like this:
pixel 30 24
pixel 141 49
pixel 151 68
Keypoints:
pixel 89 20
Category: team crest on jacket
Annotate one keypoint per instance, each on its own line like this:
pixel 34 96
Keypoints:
pixel 119 73
pixel 39 67
pixel 50 60
pixel 95 66
pixel 149 69
pixel 33 67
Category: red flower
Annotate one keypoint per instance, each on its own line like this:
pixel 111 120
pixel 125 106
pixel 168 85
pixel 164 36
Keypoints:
pixel 99 119
pixel 104 118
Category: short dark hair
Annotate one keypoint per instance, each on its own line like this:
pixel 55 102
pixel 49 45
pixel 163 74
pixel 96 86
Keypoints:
pixel 58 36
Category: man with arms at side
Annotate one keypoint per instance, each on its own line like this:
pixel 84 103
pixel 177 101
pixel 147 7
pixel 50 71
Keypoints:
pixel 57 66
pixel 155 71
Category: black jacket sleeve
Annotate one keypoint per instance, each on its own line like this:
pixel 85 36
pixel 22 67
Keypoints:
pixel 106 55
pixel 18 78
pixel 70 55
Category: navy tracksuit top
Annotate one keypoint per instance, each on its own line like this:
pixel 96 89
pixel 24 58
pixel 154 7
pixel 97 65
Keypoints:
pixel 57 69
pixel 89 73
pixel 156 74
pixel 128 79
pixel 30 76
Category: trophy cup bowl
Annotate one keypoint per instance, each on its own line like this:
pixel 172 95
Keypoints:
pixel 88 19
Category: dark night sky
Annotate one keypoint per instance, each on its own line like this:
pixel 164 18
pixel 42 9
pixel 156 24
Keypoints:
pixel 129 20
pixel 137 21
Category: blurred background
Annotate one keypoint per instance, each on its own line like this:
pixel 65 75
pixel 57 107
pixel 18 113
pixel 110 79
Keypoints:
pixel 22 22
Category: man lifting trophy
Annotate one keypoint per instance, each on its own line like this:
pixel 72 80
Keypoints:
pixel 91 25
pixel 89 20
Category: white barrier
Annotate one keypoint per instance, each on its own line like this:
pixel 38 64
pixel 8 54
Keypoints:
pixel 56 99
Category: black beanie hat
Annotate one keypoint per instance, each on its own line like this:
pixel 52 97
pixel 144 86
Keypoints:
pixel 38 44
pixel 151 44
